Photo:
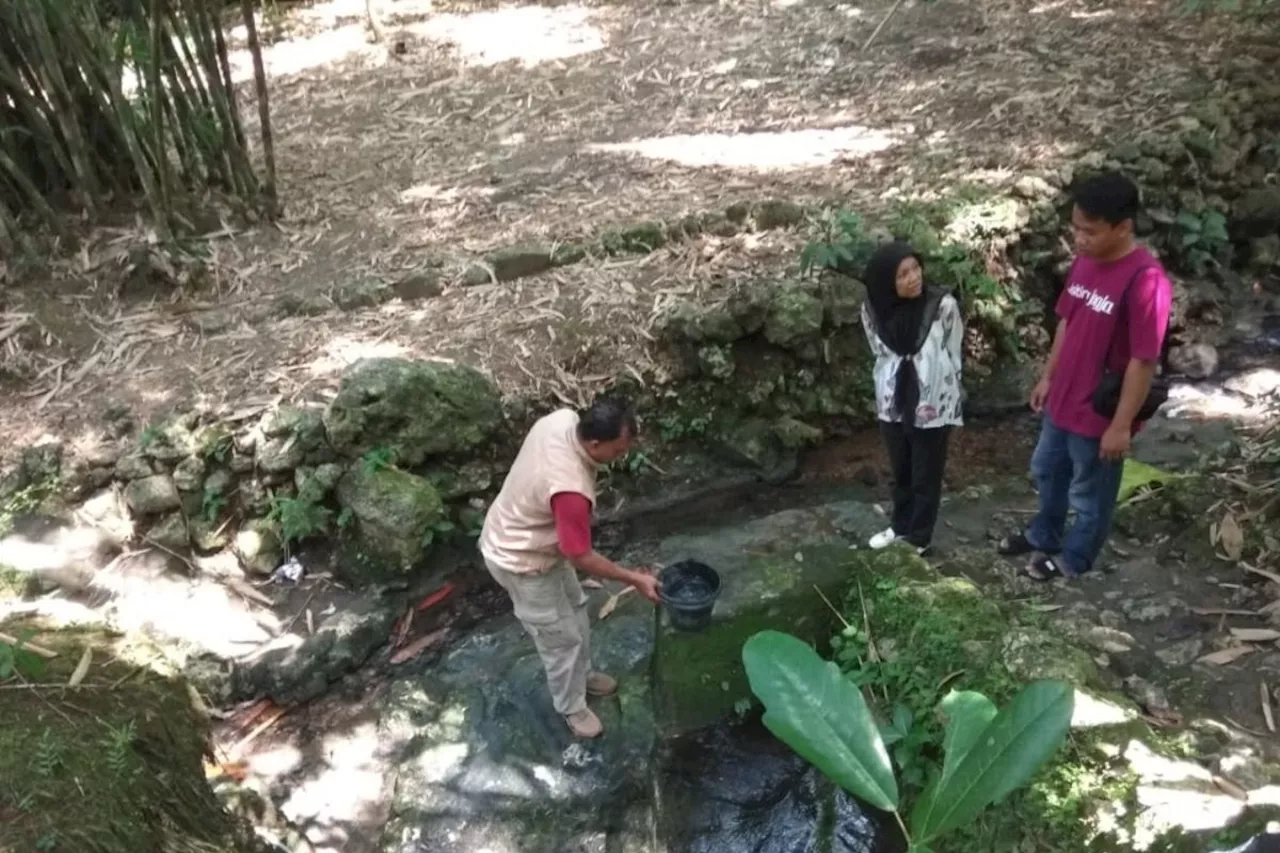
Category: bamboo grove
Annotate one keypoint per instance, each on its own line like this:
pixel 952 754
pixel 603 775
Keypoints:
pixel 111 105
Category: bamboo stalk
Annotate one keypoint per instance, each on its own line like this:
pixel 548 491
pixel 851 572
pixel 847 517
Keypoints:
pixel 264 108
pixel 33 194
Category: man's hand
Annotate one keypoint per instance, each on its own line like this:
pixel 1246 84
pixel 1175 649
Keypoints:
pixel 1039 395
pixel 646 584
pixel 1115 443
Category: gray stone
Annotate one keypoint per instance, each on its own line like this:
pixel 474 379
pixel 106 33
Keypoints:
pixel 241 464
pixel 484 762
pixel 1264 252
pixel 476 275
pixel 393 510
pixel 341 643
pixel 1242 765
pixel 211 322
pixel 1194 360
pixel 189 475
pixel 413 409
pixel 1108 640
pixel 99 454
pixel 794 316
pixel 48 552
pixel 1146 694
pixel 219 482
pixel 842 299
pixel 318 482
pixel 254 496
pixel 135 466
pixel 354 295
pixel 1181 653
pixel 208 536
pixel 1150 609
pixel 1033 188
pixel 418 285
pixel 774 213
pixel 1257 212
pixel 280 455
pixel 297 304
pixel 520 261
pixel 258 546
pixel 152 495
pixel 170 441
pixel 170 532
pixel 463 481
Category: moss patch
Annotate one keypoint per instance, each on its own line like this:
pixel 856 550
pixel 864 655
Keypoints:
pixel 112 766
pixel 699 677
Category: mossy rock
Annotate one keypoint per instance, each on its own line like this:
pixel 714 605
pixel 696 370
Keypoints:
pixel 794 316
pixel 414 409
pixel 769 569
pixel 393 512
pixel 641 238
pixel 112 766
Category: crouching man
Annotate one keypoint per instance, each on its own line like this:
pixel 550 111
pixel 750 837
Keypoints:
pixel 539 530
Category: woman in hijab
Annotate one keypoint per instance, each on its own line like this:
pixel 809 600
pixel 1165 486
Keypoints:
pixel 916 334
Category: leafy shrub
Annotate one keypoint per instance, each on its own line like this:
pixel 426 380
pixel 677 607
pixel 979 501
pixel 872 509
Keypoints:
pixel 843 245
pixel 988 752
pixel 299 518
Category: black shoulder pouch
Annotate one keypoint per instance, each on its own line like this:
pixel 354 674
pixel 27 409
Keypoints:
pixel 1106 397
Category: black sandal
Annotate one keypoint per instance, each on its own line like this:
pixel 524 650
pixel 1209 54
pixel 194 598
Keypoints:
pixel 1043 569
pixel 1015 545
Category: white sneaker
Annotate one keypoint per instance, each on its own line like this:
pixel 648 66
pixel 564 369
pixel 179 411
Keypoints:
pixel 883 539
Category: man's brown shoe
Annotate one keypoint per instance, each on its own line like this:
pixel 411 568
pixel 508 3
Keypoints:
pixel 585 723
pixel 599 684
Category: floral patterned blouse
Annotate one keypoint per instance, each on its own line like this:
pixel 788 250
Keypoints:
pixel 937 365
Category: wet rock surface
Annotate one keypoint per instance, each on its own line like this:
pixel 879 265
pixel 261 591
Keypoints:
pixel 736 787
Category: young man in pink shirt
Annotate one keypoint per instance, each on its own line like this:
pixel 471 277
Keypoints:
pixel 1112 317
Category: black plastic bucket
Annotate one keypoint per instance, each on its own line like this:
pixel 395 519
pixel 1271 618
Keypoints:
pixel 688 590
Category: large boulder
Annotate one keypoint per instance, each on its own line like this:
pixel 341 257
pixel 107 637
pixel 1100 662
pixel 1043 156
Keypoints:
pixel 1257 213
pixel 415 409
pixel 484 762
pixel 794 316
pixel 152 495
pixel 393 511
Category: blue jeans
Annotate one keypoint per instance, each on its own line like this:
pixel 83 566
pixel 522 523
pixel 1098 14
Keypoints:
pixel 1071 476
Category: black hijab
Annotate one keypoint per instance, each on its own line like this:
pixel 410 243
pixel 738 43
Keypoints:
pixel 901 324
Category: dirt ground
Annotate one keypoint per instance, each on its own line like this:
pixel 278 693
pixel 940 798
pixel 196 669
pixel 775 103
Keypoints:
pixel 486 125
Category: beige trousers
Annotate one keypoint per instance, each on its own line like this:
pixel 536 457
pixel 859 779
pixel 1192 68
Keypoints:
pixel 553 609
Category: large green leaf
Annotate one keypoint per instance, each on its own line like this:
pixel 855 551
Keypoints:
pixel 812 708
pixel 968 715
pixel 1002 758
pixel 1137 475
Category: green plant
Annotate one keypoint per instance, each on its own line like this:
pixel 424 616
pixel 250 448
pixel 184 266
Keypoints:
pixel 117 748
pixel 675 426
pixel 48 841
pixel 438 532
pixel 218 448
pixel 842 244
pixel 378 459
pixel 988 754
pixel 16 661
pixel 1200 238
pixel 299 518
pixel 48 755
pixel 212 502
pixel 151 435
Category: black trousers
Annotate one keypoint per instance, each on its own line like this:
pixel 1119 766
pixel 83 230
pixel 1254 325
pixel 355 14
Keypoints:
pixel 918 458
